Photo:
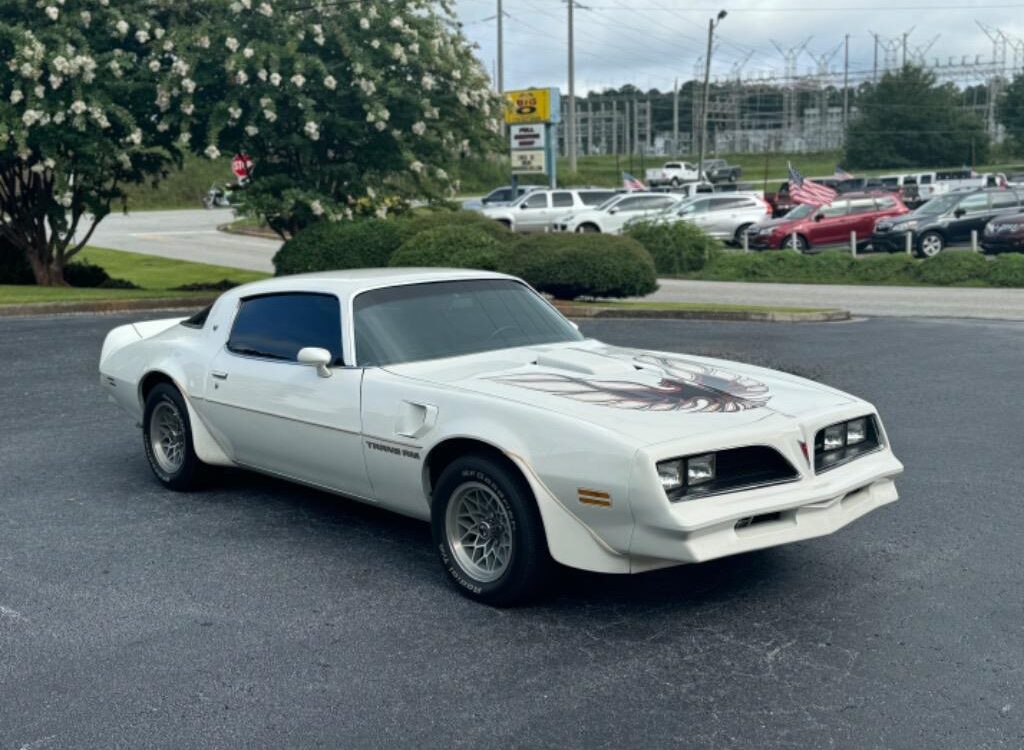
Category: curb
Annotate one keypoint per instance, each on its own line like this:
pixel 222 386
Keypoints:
pixel 811 316
pixel 105 306
pixel 265 234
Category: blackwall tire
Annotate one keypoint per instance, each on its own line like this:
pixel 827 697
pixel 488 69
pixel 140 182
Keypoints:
pixel 488 532
pixel 167 440
pixel 930 244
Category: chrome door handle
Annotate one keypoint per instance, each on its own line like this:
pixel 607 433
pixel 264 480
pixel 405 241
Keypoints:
pixel 219 375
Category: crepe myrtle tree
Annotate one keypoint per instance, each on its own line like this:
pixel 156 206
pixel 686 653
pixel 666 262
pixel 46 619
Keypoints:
pixel 345 107
pixel 94 96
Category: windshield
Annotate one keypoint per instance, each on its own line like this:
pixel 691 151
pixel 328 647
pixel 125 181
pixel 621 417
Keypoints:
pixel 801 211
pixel 939 205
pixel 451 318
pixel 608 203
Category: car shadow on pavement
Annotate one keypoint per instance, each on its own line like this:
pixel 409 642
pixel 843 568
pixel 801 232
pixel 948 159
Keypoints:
pixel 358 529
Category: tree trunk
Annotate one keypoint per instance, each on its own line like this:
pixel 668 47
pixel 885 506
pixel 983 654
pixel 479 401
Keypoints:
pixel 46 274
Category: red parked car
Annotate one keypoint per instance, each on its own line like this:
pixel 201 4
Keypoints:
pixel 826 225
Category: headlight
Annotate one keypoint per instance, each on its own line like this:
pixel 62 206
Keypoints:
pixel 905 226
pixel 991 229
pixel 835 437
pixel 766 230
pixel 700 469
pixel 671 474
pixel 844 441
pixel 856 431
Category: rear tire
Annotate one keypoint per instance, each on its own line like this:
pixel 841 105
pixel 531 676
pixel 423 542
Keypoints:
pixel 167 440
pixel 488 532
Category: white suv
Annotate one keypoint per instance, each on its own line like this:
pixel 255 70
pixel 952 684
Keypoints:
pixel 611 216
pixel 725 216
pixel 536 211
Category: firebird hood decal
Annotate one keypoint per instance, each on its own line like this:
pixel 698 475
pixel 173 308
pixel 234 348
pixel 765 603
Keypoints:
pixel 684 386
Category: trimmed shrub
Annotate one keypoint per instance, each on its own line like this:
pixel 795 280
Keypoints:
pixel 568 266
pixel 1007 270
pixel 328 246
pixel 884 269
pixel 422 222
pixel 676 248
pixel 14 269
pixel 82 273
pixel 450 247
pixel 952 268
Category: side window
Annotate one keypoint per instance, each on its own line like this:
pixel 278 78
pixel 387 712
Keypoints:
pixel 1005 199
pixel 862 205
pixel 976 202
pixel 653 204
pixel 536 200
pixel 276 326
pixel 562 200
pixel 629 204
pixel 595 197
pixel 697 207
pixel 832 210
pixel 926 179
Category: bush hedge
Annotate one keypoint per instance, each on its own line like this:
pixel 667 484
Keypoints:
pixel 835 267
pixel 328 246
pixel 415 224
pixel 568 266
pixel 676 248
pixel 452 247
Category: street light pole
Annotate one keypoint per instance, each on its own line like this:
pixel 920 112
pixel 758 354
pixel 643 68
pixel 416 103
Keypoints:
pixel 570 129
pixel 712 23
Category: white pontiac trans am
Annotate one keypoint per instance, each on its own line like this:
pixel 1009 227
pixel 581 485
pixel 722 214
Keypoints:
pixel 464 398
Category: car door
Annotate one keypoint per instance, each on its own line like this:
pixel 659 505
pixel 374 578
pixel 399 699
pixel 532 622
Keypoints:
pixel 723 217
pixel 563 203
pixel 971 213
pixel 1003 202
pixel 830 222
pixel 696 212
pixel 862 216
pixel 280 416
pixel 532 212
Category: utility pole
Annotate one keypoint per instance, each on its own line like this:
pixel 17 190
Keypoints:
pixel 571 129
pixel 707 85
pixel 904 49
pixel 846 82
pixel 675 118
pixel 501 50
pixel 874 75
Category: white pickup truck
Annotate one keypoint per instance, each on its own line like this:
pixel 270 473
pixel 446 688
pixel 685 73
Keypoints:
pixel 672 173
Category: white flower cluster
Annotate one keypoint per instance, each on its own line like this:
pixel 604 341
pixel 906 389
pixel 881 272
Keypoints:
pixel 330 83
pixel 312 130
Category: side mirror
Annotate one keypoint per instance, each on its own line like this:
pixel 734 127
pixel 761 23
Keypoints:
pixel 318 358
pixel 819 217
pixel 523 206
pixel 613 210
pixel 959 212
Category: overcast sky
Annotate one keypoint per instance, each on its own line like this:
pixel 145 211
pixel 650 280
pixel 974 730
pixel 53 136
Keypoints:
pixel 651 42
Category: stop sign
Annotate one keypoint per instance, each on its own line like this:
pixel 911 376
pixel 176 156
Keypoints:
pixel 242 165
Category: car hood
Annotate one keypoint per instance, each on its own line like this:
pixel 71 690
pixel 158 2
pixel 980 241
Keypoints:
pixel 649 396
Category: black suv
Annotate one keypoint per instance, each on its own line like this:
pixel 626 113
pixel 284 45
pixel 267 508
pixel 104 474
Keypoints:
pixel 945 219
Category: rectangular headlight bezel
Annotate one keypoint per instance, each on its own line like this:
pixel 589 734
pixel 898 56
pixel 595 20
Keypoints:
pixel 731 470
pixel 828 455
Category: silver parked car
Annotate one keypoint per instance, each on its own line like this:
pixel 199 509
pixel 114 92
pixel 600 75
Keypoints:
pixel 725 217
pixel 536 211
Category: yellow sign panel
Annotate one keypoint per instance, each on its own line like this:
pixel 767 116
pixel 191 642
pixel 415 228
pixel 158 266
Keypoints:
pixel 527 106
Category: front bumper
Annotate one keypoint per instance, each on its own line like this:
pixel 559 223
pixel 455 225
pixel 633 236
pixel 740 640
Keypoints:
pixel 996 244
pixel 762 241
pixel 890 242
pixel 670 533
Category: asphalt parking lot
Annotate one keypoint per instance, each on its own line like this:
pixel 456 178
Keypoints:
pixel 260 614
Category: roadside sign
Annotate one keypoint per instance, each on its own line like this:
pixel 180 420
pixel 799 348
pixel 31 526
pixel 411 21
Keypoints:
pixel 527 137
pixel 528 161
pixel 528 106
pixel 241 165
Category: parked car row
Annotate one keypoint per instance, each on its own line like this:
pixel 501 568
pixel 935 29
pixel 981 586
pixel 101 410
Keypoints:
pixel 676 173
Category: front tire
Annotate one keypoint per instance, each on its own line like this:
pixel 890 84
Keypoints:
pixel 588 228
pixel 167 439
pixel 801 243
pixel 488 532
pixel 740 231
pixel 931 244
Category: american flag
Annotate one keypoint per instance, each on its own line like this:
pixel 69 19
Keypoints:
pixel 632 183
pixel 842 174
pixel 802 190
